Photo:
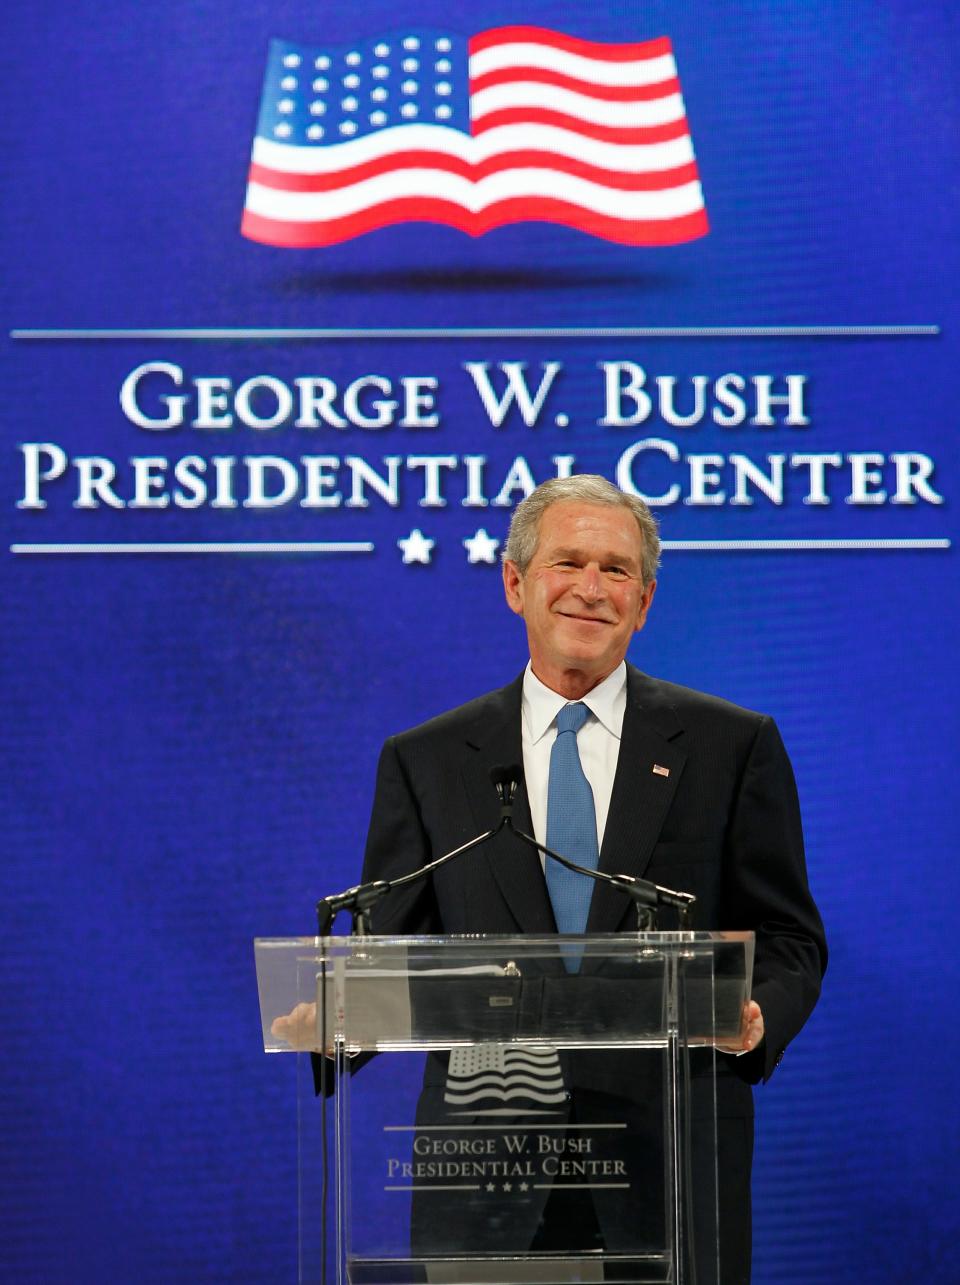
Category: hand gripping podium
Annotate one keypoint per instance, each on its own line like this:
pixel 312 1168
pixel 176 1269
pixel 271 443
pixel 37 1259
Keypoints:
pixel 539 1110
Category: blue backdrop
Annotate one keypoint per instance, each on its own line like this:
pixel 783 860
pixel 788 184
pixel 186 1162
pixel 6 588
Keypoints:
pixel 190 740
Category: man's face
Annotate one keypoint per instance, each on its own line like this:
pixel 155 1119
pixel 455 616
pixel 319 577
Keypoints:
pixel 582 596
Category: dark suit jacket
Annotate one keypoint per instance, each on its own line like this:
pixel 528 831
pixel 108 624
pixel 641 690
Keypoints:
pixel 724 824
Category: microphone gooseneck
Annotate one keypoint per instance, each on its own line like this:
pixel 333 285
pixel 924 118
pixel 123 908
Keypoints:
pixel 646 896
pixel 506 779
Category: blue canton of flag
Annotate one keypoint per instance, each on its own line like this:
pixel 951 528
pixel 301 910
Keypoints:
pixel 323 97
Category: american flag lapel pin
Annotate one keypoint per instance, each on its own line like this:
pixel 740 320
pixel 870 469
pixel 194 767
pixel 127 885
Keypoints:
pixel 660 770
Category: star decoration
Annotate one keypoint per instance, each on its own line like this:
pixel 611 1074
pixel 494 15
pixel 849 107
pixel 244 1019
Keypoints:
pixel 481 547
pixel 508 1186
pixel 416 547
pixel 524 1186
pixel 491 1186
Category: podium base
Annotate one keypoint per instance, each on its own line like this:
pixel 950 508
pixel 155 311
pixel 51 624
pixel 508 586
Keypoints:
pixel 539 1269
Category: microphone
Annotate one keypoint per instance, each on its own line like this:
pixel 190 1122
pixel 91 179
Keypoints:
pixel 506 780
pixel 645 895
pixel 361 899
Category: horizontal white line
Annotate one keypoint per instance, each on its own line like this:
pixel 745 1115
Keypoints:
pixel 355 546
pixel 639 71
pixel 581 1186
pixel 462 1128
pixel 205 333
pixel 430 1187
pixel 362 546
pixel 596 111
pixel 801 546
pixel 426 183
pixel 628 158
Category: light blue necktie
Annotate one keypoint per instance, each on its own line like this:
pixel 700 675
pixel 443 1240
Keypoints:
pixel 571 824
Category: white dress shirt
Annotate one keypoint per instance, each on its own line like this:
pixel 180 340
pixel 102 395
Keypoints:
pixel 598 742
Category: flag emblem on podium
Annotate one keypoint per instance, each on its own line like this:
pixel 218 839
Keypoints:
pixel 511 125
pixel 499 1079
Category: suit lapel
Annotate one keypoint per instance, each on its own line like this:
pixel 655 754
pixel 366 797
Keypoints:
pixel 495 739
pixel 648 769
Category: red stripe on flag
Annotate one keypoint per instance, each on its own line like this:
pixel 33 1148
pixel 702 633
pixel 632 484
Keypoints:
pixel 624 181
pixel 570 44
pixel 609 93
pixel 429 210
pixel 665 133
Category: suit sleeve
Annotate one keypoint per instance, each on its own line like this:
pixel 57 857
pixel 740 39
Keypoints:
pixel 766 889
pixel 397 843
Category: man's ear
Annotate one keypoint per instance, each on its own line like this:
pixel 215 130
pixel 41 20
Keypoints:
pixel 513 587
pixel 648 592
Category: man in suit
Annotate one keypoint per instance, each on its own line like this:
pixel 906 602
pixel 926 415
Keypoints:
pixel 683 789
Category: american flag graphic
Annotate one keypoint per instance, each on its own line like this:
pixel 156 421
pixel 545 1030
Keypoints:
pixel 511 125
pixel 498 1074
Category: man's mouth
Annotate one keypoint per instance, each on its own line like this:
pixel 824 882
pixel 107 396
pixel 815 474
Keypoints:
pixel 587 620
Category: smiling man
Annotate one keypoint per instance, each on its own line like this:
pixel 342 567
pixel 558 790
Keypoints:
pixel 582 592
pixel 624 773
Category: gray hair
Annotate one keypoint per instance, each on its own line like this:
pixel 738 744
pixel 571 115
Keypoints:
pixel 584 488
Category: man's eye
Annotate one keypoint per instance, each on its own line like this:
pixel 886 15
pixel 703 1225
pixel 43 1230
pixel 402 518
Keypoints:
pixel 615 571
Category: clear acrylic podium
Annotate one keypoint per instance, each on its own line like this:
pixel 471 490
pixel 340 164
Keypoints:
pixel 539 1109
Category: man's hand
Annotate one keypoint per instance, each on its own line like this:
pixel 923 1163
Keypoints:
pixel 751 1031
pixel 298 1029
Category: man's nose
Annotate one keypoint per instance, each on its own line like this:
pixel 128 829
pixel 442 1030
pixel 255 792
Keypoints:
pixel 590 583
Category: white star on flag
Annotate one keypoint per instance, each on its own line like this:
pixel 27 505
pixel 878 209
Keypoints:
pixel 481 547
pixel 416 547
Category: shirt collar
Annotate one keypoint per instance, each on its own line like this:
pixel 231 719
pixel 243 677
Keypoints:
pixel 606 702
